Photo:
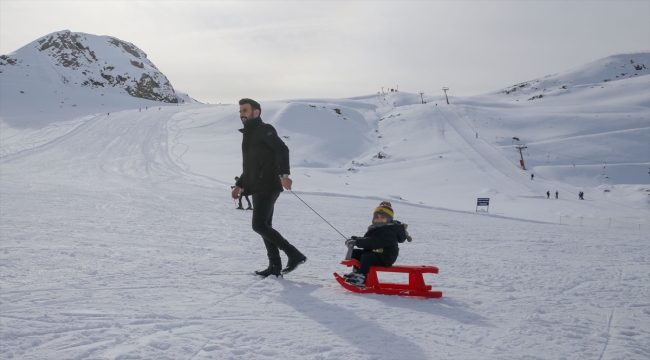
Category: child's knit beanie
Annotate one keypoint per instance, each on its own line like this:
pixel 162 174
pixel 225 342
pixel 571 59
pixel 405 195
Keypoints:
pixel 386 209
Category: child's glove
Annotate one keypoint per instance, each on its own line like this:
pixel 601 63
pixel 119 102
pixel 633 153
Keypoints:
pixel 350 242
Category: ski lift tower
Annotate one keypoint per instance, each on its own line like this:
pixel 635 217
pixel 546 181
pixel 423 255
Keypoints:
pixel 445 90
pixel 521 147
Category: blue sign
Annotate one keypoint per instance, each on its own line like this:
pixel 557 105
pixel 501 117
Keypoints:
pixel 483 202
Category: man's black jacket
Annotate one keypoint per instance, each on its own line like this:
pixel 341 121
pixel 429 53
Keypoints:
pixel 265 157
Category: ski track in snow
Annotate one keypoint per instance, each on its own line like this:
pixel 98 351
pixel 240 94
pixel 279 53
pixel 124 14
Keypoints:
pixel 111 249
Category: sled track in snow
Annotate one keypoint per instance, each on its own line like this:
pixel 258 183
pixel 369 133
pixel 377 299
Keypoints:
pixel 179 134
pixel 609 325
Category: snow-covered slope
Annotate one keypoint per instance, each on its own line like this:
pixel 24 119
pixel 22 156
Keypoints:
pixel 85 72
pixel 594 139
pixel 119 239
pixel 612 68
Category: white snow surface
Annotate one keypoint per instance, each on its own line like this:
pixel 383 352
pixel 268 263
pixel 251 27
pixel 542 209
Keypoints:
pixel 119 239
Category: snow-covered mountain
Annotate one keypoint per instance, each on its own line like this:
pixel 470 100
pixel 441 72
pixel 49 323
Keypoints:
pixel 594 137
pixel 70 69
pixel 611 68
pixel 85 60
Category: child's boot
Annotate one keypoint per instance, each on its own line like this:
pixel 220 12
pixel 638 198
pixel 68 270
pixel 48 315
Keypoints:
pixel 351 274
pixel 359 280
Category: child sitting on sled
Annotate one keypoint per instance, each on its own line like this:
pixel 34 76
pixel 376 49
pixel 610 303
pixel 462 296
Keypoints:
pixel 378 246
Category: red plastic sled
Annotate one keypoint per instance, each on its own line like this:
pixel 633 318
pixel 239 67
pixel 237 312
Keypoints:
pixel 415 286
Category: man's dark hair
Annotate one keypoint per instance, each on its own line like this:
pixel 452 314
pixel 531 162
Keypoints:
pixel 254 104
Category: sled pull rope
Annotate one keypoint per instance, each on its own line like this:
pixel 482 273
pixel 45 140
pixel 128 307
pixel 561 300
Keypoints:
pixel 303 201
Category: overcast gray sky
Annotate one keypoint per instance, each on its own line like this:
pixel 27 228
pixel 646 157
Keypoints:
pixel 220 51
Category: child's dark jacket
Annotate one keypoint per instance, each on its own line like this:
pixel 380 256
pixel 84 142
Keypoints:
pixel 384 237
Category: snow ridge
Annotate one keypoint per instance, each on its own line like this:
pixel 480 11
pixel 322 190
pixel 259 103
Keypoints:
pixel 611 68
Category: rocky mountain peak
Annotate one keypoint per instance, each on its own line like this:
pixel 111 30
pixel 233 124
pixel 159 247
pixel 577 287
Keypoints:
pixel 84 60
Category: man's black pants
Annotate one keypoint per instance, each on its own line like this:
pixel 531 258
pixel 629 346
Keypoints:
pixel 263 204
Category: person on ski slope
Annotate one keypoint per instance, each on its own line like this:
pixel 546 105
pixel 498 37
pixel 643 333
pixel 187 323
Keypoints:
pixel 265 173
pixel 378 246
pixel 241 207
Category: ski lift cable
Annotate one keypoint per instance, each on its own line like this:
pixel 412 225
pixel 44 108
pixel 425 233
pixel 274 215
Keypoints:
pixel 575 157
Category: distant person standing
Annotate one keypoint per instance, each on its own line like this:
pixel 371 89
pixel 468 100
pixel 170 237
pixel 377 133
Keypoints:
pixel 532 176
pixel 241 207
pixel 265 173
pixel 556 194
pixel 548 194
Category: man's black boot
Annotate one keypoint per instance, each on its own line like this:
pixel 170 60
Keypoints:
pixel 271 270
pixel 295 260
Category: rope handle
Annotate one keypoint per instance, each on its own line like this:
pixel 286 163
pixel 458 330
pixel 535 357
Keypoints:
pixel 303 201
